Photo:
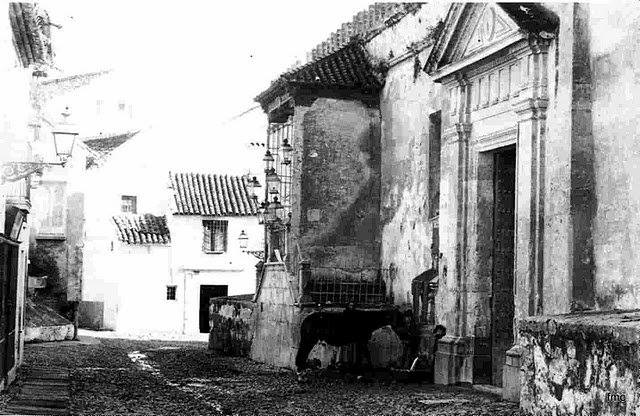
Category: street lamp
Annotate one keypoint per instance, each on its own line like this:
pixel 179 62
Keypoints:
pixel 262 212
pixel 64 137
pixel 253 185
pixel 244 240
pixel 273 182
pixel 268 160
pixel 287 149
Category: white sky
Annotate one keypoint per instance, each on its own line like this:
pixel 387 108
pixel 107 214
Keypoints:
pixel 198 62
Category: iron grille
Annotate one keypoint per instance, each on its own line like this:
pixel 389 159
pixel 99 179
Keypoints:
pixel 340 287
pixel 215 236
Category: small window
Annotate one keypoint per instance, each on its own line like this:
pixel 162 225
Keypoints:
pixel 434 164
pixel 215 236
pixel 121 106
pixel 171 292
pixel 129 204
pixel 98 107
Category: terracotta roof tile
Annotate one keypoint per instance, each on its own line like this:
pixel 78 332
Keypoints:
pixel 142 229
pixel 209 194
pixel 347 68
pixel 105 145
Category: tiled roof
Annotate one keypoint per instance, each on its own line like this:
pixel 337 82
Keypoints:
pixel 347 68
pixel 208 194
pixel 31 33
pixel 105 145
pixel 364 24
pixel 142 229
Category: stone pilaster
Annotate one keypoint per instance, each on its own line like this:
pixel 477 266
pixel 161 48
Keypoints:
pixel 454 353
pixel 531 111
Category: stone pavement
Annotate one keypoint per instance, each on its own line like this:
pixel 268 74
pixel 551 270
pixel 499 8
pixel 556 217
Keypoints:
pixel 141 377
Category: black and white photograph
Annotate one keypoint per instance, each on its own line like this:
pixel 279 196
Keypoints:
pixel 322 208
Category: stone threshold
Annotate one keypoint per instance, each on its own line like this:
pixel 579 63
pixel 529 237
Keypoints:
pixel 487 388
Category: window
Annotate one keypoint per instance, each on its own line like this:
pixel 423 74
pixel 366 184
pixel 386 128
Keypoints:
pixel 171 292
pixel 98 107
pixel 129 204
pixel 215 236
pixel 121 106
pixel 434 164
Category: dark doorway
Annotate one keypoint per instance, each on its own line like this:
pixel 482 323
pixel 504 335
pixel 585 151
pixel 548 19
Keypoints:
pixel 207 292
pixel 502 300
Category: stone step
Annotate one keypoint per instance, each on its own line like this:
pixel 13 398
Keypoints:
pixel 44 402
pixel 34 410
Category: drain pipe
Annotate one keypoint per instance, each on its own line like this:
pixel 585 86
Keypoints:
pixel 184 302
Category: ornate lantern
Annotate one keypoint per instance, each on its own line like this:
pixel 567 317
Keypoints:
pixel 273 182
pixel 64 136
pixel 287 149
pixel 268 161
pixel 244 240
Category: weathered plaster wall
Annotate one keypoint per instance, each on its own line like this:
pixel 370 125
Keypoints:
pixel 406 103
pixel 580 365
pixel 340 183
pixel 616 122
pixel 557 247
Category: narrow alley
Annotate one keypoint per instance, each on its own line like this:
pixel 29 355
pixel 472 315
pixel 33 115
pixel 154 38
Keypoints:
pixel 135 377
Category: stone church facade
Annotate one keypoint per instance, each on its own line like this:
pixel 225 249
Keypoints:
pixel 500 147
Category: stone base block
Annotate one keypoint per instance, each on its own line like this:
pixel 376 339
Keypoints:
pixel 511 374
pixel 450 356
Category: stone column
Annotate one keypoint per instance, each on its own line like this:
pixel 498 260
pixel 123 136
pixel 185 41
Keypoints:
pixel 530 107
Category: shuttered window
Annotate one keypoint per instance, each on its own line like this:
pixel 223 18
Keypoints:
pixel 214 236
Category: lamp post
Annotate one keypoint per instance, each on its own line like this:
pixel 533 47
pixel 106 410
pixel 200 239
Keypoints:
pixel 64 137
pixel 273 182
pixel 287 149
pixel 244 240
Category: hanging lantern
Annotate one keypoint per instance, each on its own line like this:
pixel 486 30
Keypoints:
pixel 287 149
pixel 244 240
pixel 261 213
pixel 64 136
pixel 268 160
pixel 253 185
pixel 273 182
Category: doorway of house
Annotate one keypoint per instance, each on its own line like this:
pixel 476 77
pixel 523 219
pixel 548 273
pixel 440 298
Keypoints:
pixel 207 292
pixel 502 300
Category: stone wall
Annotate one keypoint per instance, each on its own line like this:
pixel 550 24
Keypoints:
pixel 339 185
pixel 62 259
pixel 277 320
pixel 232 322
pixel 581 364
pixel 616 122
pixel 407 101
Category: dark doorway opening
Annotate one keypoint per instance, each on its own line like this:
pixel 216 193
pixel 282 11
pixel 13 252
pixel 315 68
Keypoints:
pixel 502 300
pixel 206 293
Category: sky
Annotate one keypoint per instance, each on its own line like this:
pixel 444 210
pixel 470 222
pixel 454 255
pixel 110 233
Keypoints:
pixel 197 62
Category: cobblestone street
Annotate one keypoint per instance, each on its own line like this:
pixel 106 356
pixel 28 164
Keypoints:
pixel 116 376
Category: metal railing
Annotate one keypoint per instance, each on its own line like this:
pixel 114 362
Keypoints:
pixel 336 286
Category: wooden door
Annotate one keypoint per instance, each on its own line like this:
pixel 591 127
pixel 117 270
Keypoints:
pixel 206 293
pixel 502 301
pixel 11 286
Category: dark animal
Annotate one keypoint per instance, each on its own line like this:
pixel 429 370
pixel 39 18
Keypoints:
pixel 343 328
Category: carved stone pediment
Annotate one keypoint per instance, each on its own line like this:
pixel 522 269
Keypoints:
pixel 473 31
